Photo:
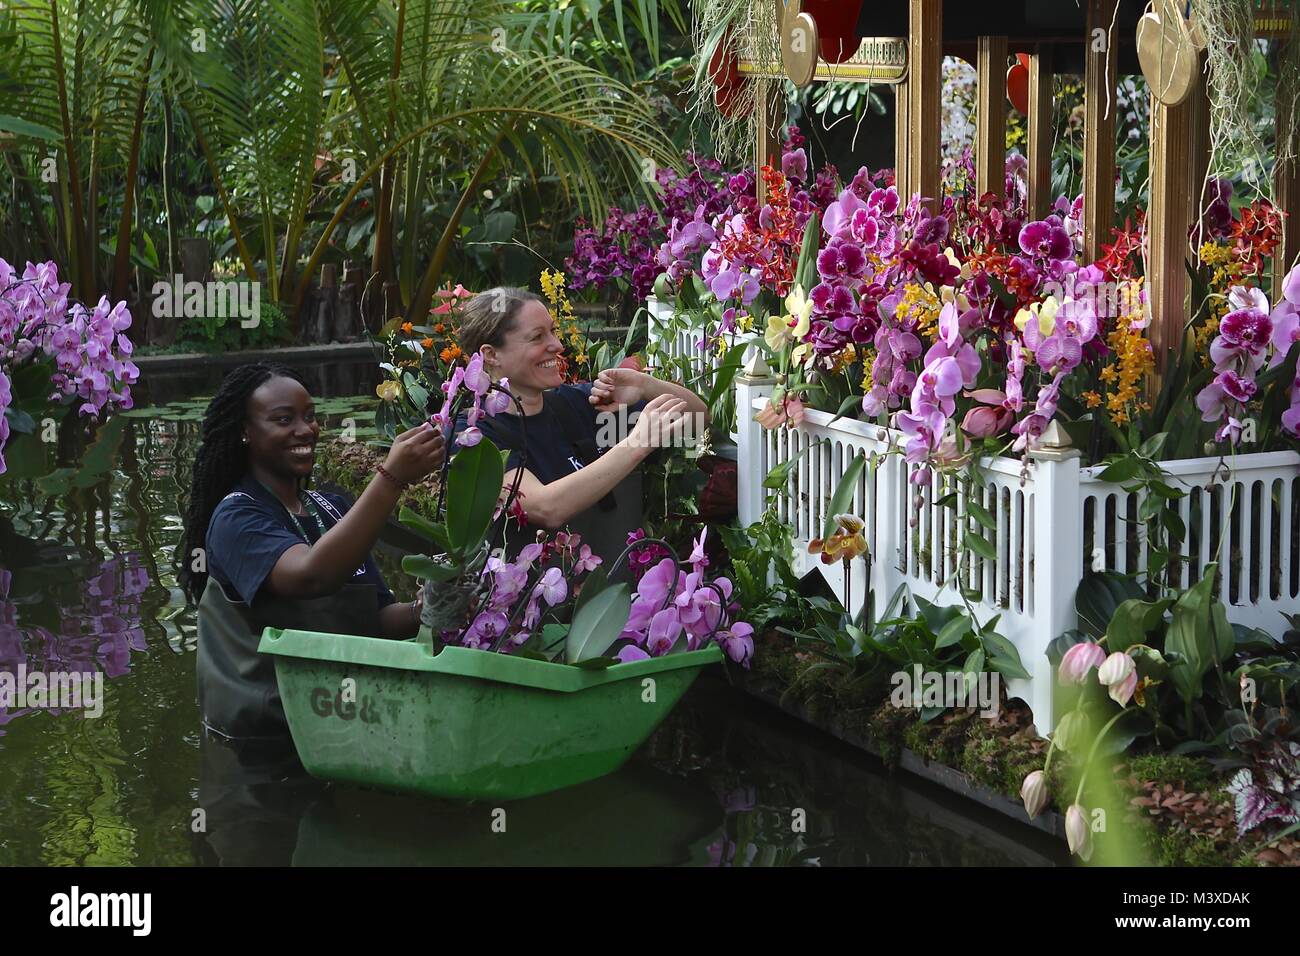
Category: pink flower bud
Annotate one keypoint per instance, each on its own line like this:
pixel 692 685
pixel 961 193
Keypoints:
pixel 1078 833
pixel 1119 675
pixel 1078 660
pixel 981 422
pixel 1034 793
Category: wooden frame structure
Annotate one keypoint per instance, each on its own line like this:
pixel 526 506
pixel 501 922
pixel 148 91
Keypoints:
pixel 1095 38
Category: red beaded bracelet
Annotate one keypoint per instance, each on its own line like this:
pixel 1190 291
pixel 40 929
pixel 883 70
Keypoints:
pixel 389 475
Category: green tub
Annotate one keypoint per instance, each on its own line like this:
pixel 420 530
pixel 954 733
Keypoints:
pixel 466 724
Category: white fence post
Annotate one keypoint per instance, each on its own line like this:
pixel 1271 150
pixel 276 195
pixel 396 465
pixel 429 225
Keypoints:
pixel 1055 564
pixel 755 380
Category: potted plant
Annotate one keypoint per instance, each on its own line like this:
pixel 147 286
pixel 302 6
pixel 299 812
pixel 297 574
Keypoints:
pixel 531 672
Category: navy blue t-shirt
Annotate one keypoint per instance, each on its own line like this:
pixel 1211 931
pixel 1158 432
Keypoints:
pixel 250 529
pixel 551 455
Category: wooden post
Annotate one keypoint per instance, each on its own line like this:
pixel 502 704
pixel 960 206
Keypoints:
pixel 1198 106
pixel 1101 53
pixel 1168 219
pixel 770 122
pixel 1040 134
pixel 991 117
pixel 925 83
pixel 902 138
pixel 1286 193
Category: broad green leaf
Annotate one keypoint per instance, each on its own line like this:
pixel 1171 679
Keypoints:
pixel 843 495
pixel 1132 621
pixel 473 488
pixel 1003 656
pixel 1098 596
pixel 952 632
pixel 1191 636
pixel 437 533
pixel 427 569
pixel 1122 470
pixel 598 624
pixel 977 511
pixel 22 127
pixel 980 546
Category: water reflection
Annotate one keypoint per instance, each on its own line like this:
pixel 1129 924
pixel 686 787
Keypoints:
pixel 95 632
pixel 87 580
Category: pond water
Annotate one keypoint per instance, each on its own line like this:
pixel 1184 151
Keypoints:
pixel 87 584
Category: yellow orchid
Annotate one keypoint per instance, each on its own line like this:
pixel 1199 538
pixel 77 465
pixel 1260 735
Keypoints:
pixel 388 390
pixel 793 326
pixel 778 332
pixel 800 309
pixel 1044 312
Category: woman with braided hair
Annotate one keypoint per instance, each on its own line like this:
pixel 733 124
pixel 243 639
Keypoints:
pixel 262 551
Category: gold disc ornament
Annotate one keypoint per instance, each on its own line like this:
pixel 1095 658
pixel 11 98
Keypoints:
pixel 1167 54
pixel 799 44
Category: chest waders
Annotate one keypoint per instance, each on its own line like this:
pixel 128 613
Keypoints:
pixel 238 693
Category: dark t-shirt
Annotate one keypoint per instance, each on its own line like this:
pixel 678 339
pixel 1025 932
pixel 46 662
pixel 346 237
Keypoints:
pixel 551 454
pixel 250 529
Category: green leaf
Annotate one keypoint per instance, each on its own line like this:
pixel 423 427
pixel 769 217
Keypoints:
pixel 20 422
pixel 1132 621
pixel 1122 470
pixel 1003 656
pixel 952 632
pixel 1191 637
pixel 597 663
pixel 22 127
pixel 553 633
pixel 806 269
pixel 976 511
pixel 843 494
pixel 427 569
pixel 473 488
pixel 437 533
pixel 979 545
pixel 598 624
pixel 1099 595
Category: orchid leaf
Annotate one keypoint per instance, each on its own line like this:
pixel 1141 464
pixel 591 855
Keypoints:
pixel 597 625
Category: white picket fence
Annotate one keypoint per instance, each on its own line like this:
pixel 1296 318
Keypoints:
pixel 1051 523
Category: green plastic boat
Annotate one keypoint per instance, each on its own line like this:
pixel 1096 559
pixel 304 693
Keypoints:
pixel 466 724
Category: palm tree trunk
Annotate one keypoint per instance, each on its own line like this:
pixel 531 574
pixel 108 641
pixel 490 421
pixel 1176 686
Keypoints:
pixel 382 262
pixel 79 241
pixel 423 298
pixel 122 255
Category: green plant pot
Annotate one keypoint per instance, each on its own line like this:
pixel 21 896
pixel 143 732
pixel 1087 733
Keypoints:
pixel 465 724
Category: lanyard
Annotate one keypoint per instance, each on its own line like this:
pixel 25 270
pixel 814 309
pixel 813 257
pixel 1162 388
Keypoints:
pixel 310 507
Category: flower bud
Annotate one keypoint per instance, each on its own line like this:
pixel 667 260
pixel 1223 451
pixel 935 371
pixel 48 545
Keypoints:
pixel 1078 833
pixel 1034 793
pixel 1115 668
pixel 1078 660
pixel 1119 674
pixel 1072 731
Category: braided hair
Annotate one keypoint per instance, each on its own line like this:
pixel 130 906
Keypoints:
pixel 221 461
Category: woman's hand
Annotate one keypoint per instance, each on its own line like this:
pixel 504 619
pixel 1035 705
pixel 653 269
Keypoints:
pixel 618 386
pixel 660 422
pixel 416 453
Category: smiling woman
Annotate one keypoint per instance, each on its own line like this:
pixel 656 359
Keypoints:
pixel 262 551
pixel 576 472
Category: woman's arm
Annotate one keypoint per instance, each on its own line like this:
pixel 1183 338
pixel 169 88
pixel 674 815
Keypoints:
pixel 322 568
pixel 551 505
pixel 400 620
pixel 656 387
pixel 626 386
